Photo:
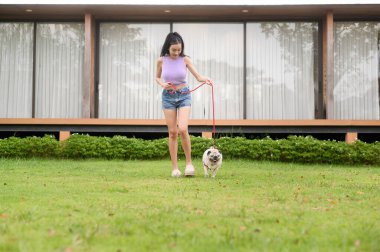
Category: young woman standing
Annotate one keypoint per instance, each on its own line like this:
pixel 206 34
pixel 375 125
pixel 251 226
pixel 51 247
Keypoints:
pixel 176 100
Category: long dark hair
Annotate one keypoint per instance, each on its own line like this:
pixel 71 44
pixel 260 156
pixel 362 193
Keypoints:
pixel 173 38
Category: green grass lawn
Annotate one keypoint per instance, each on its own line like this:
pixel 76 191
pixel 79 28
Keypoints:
pixel 59 205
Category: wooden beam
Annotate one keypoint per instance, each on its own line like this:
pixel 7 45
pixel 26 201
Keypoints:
pixel 181 12
pixel 88 106
pixel 328 63
pixel 192 122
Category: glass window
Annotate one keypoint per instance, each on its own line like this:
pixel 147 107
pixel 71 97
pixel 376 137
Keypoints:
pixel 356 70
pixel 282 70
pixel 59 70
pixel 217 51
pixel 16 70
pixel 128 56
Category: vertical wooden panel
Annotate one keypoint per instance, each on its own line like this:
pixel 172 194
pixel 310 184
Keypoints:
pixel 328 64
pixel 89 68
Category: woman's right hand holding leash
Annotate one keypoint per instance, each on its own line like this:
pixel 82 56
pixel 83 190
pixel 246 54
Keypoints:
pixel 206 80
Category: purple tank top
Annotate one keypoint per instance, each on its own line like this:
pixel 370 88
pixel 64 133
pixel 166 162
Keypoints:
pixel 174 70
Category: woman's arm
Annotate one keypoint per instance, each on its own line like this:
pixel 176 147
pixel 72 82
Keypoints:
pixel 194 72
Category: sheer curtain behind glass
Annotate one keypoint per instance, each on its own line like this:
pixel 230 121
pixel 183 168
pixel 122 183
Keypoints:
pixel 59 70
pixel 356 70
pixel 217 51
pixel 16 70
pixel 281 70
pixel 128 55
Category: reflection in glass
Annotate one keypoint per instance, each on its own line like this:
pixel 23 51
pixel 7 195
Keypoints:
pixel 356 70
pixel 282 70
pixel 16 70
pixel 217 51
pixel 128 55
pixel 59 70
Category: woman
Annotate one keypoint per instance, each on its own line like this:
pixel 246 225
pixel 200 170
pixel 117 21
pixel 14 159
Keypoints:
pixel 176 100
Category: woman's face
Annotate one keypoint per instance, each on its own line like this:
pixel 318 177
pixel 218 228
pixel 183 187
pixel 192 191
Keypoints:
pixel 175 50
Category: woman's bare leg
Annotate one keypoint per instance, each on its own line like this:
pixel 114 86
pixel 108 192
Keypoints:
pixel 171 122
pixel 183 123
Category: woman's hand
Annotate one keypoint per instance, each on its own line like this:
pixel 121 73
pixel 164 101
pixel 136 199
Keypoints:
pixel 208 81
pixel 167 86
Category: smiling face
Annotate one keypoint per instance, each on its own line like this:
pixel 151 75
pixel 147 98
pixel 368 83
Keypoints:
pixel 175 50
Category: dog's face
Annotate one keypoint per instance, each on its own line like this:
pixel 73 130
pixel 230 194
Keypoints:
pixel 213 155
pixel 212 158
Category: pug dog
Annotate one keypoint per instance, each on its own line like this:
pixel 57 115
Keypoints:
pixel 212 160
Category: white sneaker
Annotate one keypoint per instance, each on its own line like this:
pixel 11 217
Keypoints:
pixel 189 171
pixel 176 173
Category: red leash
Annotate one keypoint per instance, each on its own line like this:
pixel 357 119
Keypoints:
pixel 213 105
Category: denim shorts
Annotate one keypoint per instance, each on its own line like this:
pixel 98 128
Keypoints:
pixel 175 100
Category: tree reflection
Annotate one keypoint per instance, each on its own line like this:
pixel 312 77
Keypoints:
pixel 356 70
pixel 128 53
pixel 59 69
pixel 282 70
pixel 126 39
pixel 16 50
pixel 62 34
pixel 16 40
pixel 356 45
pixel 228 81
pixel 8 31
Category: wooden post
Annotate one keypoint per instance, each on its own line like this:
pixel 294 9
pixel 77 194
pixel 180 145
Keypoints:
pixel 207 135
pixel 351 137
pixel 88 107
pixel 328 64
pixel 63 135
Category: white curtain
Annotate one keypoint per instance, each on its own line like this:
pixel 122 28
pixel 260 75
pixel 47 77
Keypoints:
pixel 16 70
pixel 217 51
pixel 282 70
pixel 356 70
pixel 59 70
pixel 128 55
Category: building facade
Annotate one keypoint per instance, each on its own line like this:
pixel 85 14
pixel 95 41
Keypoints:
pixel 284 65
